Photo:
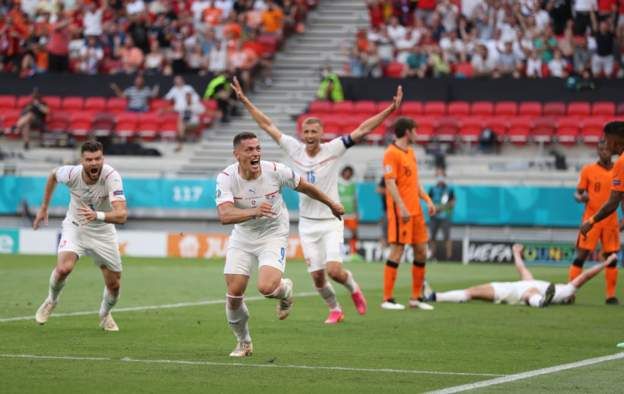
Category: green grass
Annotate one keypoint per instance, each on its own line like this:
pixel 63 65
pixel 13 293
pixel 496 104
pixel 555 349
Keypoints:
pixel 472 338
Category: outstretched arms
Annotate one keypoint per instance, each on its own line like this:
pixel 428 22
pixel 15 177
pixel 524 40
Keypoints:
pixel 313 192
pixel 373 122
pixel 261 119
pixel 42 214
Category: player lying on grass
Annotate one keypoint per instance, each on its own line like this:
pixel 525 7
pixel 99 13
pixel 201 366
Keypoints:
pixel 529 291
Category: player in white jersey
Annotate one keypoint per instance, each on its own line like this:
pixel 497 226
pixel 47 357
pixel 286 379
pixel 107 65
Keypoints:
pixel 97 203
pixel 249 196
pixel 529 291
pixel 320 233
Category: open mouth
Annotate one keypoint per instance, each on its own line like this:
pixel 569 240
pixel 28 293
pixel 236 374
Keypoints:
pixel 94 172
pixel 255 162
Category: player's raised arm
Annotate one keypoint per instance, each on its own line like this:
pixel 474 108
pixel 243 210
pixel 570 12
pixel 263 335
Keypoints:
pixel 607 209
pixel 42 214
pixel 263 121
pixel 373 122
pixel 313 192
pixel 423 195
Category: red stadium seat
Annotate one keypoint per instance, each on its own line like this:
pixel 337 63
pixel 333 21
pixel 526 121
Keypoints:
pixel 365 107
pixel 97 104
pixel 169 126
pixel 9 118
pixel 126 124
pixel 519 130
pixel 116 105
pixel 579 108
pixel 381 105
pixel 543 129
pixel 7 102
pixel 103 124
pixel 343 107
pixel 412 108
pixel 149 125
pixel 482 108
pixel 161 104
pixel 54 102
pixel 425 128
pixel 568 130
pixel 506 108
pixel 603 108
pixel 80 124
pixel 446 129
pixel 530 108
pixel 592 130
pixel 73 103
pixel 434 108
pixel 22 101
pixel 58 122
pixel 320 107
pixel 497 124
pixel 458 108
pixel 470 128
pixel 394 70
pixel 556 108
pixel 620 109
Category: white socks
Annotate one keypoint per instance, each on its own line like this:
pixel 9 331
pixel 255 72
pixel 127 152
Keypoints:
pixel 108 302
pixel 329 295
pixel 237 319
pixel 536 301
pixel 452 296
pixel 55 287
pixel 350 283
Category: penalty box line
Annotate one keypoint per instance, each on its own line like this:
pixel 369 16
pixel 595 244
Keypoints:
pixel 250 365
pixel 144 308
pixel 529 374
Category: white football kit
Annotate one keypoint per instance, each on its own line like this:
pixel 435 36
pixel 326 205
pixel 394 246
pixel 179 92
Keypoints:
pixel 96 239
pixel 511 292
pixel 261 241
pixel 321 233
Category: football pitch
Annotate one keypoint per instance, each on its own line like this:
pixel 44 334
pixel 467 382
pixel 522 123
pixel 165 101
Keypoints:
pixel 174 336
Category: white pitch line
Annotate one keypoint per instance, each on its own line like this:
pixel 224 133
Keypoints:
pixel 144 308
pixel 222 364
pixel 529 374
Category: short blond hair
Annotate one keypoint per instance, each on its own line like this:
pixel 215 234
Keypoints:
pixel 312 120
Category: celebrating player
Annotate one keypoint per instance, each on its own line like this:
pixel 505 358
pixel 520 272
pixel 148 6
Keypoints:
pixel 322 236
pixel 249 196
pixel 97 203
pixel 593 190
pixel 406 222
pixel 534 293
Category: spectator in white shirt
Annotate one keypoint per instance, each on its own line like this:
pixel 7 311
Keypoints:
pixel 395 30
pixel 189 117
pixel 217 59
pixel 534 65
pixel 557 66
pixel 177 93
pixel 92 19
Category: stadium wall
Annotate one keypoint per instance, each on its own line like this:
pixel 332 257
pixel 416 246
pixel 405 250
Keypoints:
pixel 476 205
pixel 503 89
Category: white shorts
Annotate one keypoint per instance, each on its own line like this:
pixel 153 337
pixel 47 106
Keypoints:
pixel 322 241
pixel 99 243
pixel 241 258
pixel 563 293
pixel 507 293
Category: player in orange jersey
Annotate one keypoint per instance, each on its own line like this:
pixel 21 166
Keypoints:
pixel 614 136
pixel 593 190
pixel 406 221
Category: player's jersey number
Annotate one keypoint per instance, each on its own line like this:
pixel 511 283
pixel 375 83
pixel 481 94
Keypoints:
pixel 311 176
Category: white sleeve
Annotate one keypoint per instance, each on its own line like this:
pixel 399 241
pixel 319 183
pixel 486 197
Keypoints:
pixel 289 144
pixel 63 174
pixel 170 95
pixel 224 189
pixel 114 186
pixel 336 146
pixel 287 176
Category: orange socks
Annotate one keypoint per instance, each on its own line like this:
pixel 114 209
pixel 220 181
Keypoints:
pixel 418 277
pixel 390 274
pixel 611 275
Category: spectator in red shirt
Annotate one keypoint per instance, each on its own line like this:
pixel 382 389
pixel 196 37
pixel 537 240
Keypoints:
pixel 58 45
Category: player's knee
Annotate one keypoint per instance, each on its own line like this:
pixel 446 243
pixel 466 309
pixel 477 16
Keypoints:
pixel 268 288
pixel 578 262
pixel 420 254
pixel 113 287
pixel 63 270
pixel 334 271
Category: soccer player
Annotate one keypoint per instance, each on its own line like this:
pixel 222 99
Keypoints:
pixel 529 291
pixel 249 196
pixel 406 221
pixel 97 203
pixel 348 199
pixel 593 190
pixel 321 234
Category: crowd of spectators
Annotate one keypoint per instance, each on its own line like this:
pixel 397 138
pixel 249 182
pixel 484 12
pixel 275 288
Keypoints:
pixel 156 36
pixel 490 38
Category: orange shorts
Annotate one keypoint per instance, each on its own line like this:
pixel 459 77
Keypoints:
pixel 609 237
pixel 412 232
pixel 351 223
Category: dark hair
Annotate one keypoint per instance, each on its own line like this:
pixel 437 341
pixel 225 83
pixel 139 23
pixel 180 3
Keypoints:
pixel 91 146
pixel 240 137
pixel 402 126
pixel 614 128
pixel 347 168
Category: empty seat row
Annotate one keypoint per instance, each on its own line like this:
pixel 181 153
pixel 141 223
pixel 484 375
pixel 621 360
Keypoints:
pixel 480 108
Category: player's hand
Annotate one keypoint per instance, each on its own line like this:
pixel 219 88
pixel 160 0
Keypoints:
pixel 86 215
pixel 517 248
pixel 583 197
pixel 42 216
pixel 338 210
pixel 431 208
pixel 235 85
pixel 265 210
pixel 405 214
pixel 586 227
pixel 398 98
